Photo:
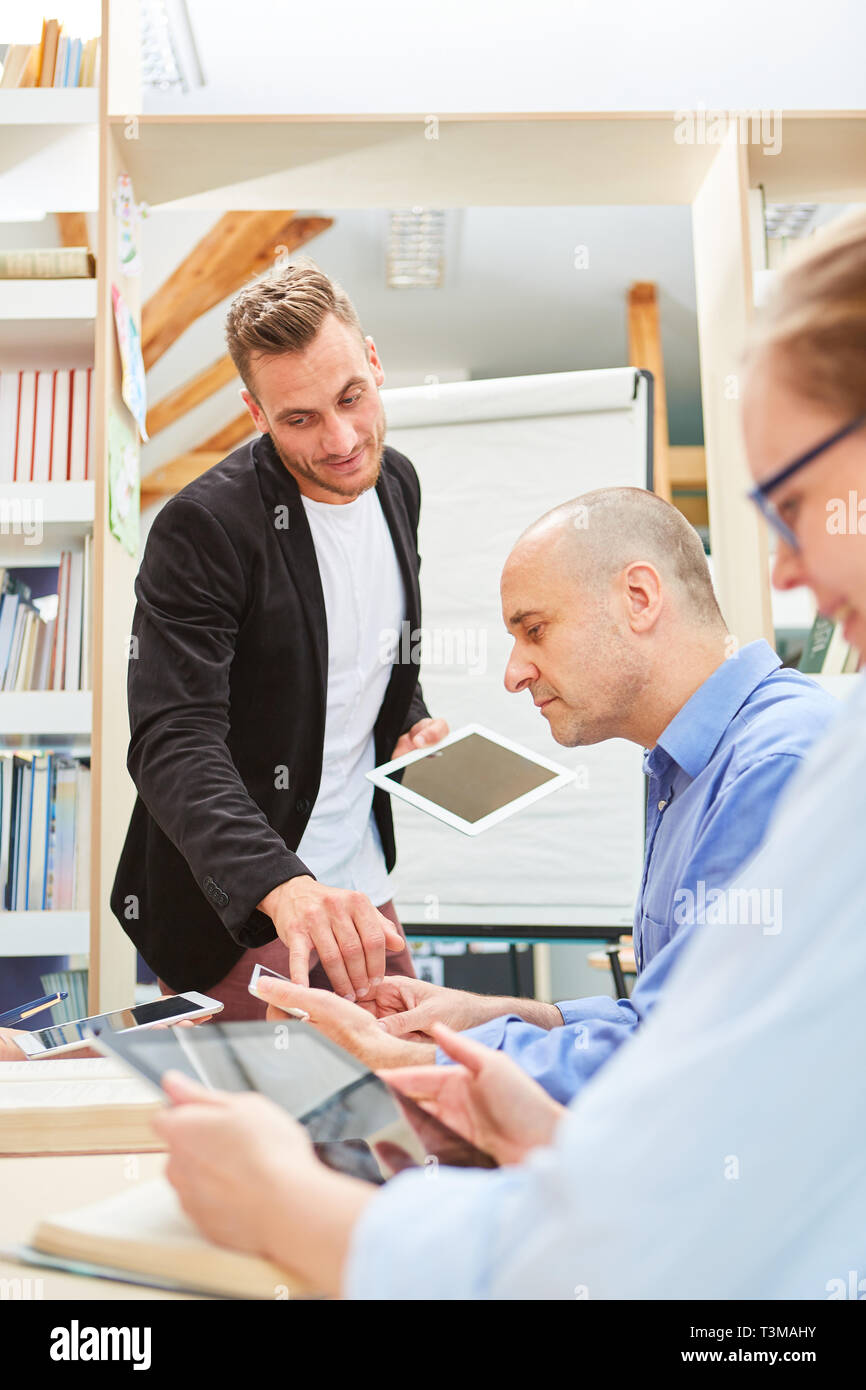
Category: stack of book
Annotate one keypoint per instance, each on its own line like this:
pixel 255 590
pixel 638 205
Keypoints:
pixel 58 60
pixel 44 832
pixel 826 652
pixel 45 624
pixel 46 425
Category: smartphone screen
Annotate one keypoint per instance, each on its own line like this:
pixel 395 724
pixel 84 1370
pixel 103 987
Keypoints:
pixel 82 1029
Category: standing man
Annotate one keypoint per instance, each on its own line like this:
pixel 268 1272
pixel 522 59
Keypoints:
pixel 258 697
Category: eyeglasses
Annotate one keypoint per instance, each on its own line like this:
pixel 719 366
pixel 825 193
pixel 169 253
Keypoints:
pixel 760 495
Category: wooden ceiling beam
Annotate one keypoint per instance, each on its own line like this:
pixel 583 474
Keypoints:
pixel 190 394
pixel 171 477
pixel 72 227
pixel 645 351
pixel 238 246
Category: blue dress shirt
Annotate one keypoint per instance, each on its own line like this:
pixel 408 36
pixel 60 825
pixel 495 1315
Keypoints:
pixel 713 780
pixel 737 1107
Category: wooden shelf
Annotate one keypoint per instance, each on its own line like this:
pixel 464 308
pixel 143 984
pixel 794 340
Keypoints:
pixel 44 933
pixel 370 161
pixel 59 715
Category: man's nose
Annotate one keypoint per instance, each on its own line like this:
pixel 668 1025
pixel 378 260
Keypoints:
pixel 519 674
pixel 339 438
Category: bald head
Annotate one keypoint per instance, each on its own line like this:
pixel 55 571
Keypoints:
pixel 611 607
pixel 593 538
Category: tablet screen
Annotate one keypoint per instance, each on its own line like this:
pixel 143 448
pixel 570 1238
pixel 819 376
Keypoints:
pixel 472 777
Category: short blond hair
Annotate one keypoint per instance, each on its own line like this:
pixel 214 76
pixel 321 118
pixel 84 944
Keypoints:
pixel 814 322
pixel 282 312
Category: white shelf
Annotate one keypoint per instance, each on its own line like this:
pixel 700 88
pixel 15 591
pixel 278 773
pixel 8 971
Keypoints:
pixel 44 933
pixel 36 518
pixel 50 150
pixel 60 714
pixel 50 106
pixel 48 319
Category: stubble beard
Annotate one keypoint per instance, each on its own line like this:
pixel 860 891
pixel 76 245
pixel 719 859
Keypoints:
pixel 375 444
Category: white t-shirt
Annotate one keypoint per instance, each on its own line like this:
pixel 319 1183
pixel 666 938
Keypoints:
pixel 364 598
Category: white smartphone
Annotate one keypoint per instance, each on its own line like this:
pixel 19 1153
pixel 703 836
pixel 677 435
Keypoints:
pixel 259 970
pixel 66 1037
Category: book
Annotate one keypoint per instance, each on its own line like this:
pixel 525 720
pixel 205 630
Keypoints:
pixel 25 427
pixel 50 38
pixel 60 428
pixel 43 417
pixel 10 386
pixel 49 263
pixel 812 660
pixel 145 1231
pixel 30 74
pixel 79 423
pixel 45 1108
pixel 13 67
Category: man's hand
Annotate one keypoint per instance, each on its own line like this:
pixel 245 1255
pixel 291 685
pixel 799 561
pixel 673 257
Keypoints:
pixel 9 1049
pixel 344 928
pixel 421 735
pixel 226 1153
pixel 487 1100
pixel 409 1008
pixel 353 1027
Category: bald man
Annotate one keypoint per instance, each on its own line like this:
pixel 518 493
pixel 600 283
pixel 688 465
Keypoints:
pixel 618 634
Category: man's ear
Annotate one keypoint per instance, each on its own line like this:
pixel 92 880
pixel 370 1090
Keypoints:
pixel 643 595
pixel 256 411
pixel 373 359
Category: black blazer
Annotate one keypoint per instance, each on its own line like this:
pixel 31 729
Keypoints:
pixel 227 688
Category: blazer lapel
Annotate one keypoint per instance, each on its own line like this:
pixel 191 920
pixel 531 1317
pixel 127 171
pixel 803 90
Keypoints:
pixel 395 514
pixel 285 512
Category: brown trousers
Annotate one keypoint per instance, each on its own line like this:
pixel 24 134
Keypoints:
pixel 239 1004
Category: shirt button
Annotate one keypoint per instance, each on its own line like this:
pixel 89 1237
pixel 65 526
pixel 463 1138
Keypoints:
pixel 662 805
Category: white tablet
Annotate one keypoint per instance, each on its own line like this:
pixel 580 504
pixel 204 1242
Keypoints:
pixel 472 779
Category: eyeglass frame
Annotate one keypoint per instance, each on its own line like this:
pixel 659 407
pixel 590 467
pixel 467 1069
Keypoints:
pixel 760 494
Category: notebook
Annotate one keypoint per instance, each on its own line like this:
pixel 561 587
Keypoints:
pixel 69 1105
pixel 145 1231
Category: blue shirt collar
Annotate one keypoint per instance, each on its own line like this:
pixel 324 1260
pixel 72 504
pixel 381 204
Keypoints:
pixel 694 732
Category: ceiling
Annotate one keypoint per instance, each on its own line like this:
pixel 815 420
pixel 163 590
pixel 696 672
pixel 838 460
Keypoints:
pixel 512 302
pixel 559 55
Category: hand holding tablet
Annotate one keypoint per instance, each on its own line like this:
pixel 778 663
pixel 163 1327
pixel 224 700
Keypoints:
pixel 472 779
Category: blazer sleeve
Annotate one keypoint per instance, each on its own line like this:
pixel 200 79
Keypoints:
pixel 191 595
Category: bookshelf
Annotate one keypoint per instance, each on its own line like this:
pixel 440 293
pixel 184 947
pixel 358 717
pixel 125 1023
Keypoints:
pixel 55 160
